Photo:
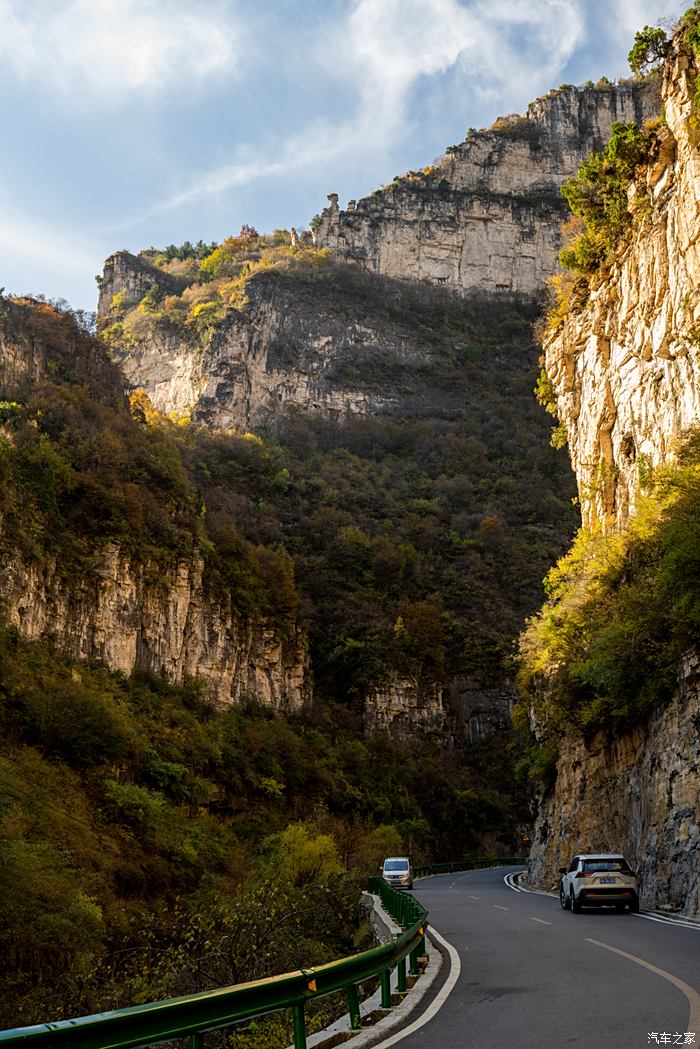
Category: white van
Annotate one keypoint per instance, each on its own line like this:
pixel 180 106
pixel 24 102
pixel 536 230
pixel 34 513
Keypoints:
pixel 396 870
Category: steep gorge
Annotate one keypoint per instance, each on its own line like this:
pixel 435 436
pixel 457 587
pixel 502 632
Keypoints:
pixel 368 324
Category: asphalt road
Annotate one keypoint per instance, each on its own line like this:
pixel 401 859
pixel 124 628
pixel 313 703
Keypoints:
pixel 527 975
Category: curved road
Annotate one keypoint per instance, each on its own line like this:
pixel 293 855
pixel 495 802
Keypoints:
pixel 531 976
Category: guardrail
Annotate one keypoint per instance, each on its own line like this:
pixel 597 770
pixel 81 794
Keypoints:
pixel 470 864
pixel 193 1015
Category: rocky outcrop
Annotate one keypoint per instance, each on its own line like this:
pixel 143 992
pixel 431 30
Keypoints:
pixel 636 793
pixel 487 215
pixel 130 277
pixel 161 620
pixel 298 344
pixel 460 714
pixel 626 366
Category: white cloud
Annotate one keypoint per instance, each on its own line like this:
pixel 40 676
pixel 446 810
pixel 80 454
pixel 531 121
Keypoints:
pixel 100 50
pixel 28 242
pixel 383 48
pixel 503 46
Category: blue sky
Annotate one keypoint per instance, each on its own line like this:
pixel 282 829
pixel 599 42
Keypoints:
pixel 131 123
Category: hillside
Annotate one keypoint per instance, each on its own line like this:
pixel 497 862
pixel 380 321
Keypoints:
pixel 399 457
pixel 160 740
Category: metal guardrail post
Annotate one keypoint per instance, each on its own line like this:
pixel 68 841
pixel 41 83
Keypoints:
pixel 413 967
pixel 299 1026
pixel 353 1007
pixel 401 976
pixel 385 980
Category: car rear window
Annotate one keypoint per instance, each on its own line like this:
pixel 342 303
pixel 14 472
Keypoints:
pixel 606 865
pixel 396 865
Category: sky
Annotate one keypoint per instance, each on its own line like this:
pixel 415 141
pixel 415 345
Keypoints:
pixel 138 123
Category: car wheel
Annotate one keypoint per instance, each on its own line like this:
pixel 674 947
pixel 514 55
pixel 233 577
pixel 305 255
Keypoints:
pixel 634 906
pixel 562 899
pixel 575 905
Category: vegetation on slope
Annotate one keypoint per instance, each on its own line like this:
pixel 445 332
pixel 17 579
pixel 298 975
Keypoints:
pixel 138 825
pixel 80 467
pixel 621 611
pixel 420 539
pixel 152 845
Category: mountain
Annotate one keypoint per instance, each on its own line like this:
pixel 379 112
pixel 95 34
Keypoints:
pixel 611 664
pixel 336 348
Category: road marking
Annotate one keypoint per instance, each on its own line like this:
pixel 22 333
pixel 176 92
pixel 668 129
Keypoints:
pixel 498 908
pixel 439 999
pixel 540 920
pixel 669 921
pixel 474 897
pixel 690 992
pixel 649 916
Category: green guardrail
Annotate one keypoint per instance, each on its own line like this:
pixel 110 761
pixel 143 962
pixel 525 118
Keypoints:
pixel 193 1015
pixel 469 864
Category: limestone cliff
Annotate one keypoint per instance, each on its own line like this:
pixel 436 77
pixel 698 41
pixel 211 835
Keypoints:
pixel 637 793
pixel 166 617
pixel 625 369
pixel 626 365
pixel 297 344
pixel 487 215
pixel 458 715
pixel 163 621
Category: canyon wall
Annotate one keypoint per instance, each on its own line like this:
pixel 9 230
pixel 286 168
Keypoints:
pixel 625 365
pixel 636 793
pixel 297 344
pixel 486 216
pixel 458 715
pixel 157 619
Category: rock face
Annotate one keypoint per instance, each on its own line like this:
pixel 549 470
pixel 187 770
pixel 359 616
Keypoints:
pixel 129 617
pixel 295 346
pixel 486 217
pixel 626 367
pixel 459 715
pixel 130 276
pixel 637 793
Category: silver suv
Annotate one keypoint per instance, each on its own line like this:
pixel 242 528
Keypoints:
pixel 396 870
pixel 599 879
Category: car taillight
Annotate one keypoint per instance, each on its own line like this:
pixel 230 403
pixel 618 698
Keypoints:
pixel 583 874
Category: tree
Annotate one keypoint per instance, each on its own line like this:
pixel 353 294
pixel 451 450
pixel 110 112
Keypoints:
pixel 648 51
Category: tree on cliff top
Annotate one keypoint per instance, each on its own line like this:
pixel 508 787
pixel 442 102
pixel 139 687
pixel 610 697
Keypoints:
pixel 648 51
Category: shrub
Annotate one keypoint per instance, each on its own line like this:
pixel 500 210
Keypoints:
pixel 598 196
pixel 620 611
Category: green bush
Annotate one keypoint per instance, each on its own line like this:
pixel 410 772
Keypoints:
pixel 621 611
pixel 598 195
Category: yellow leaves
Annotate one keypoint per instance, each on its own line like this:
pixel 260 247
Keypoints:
pixel 142 408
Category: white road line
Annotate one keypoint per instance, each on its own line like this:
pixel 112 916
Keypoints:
pixel 474 897
pixel 669 921
pixel 540 920
pixel 439 999
pixel 690 992
pixel 499 908
pixel 648 916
